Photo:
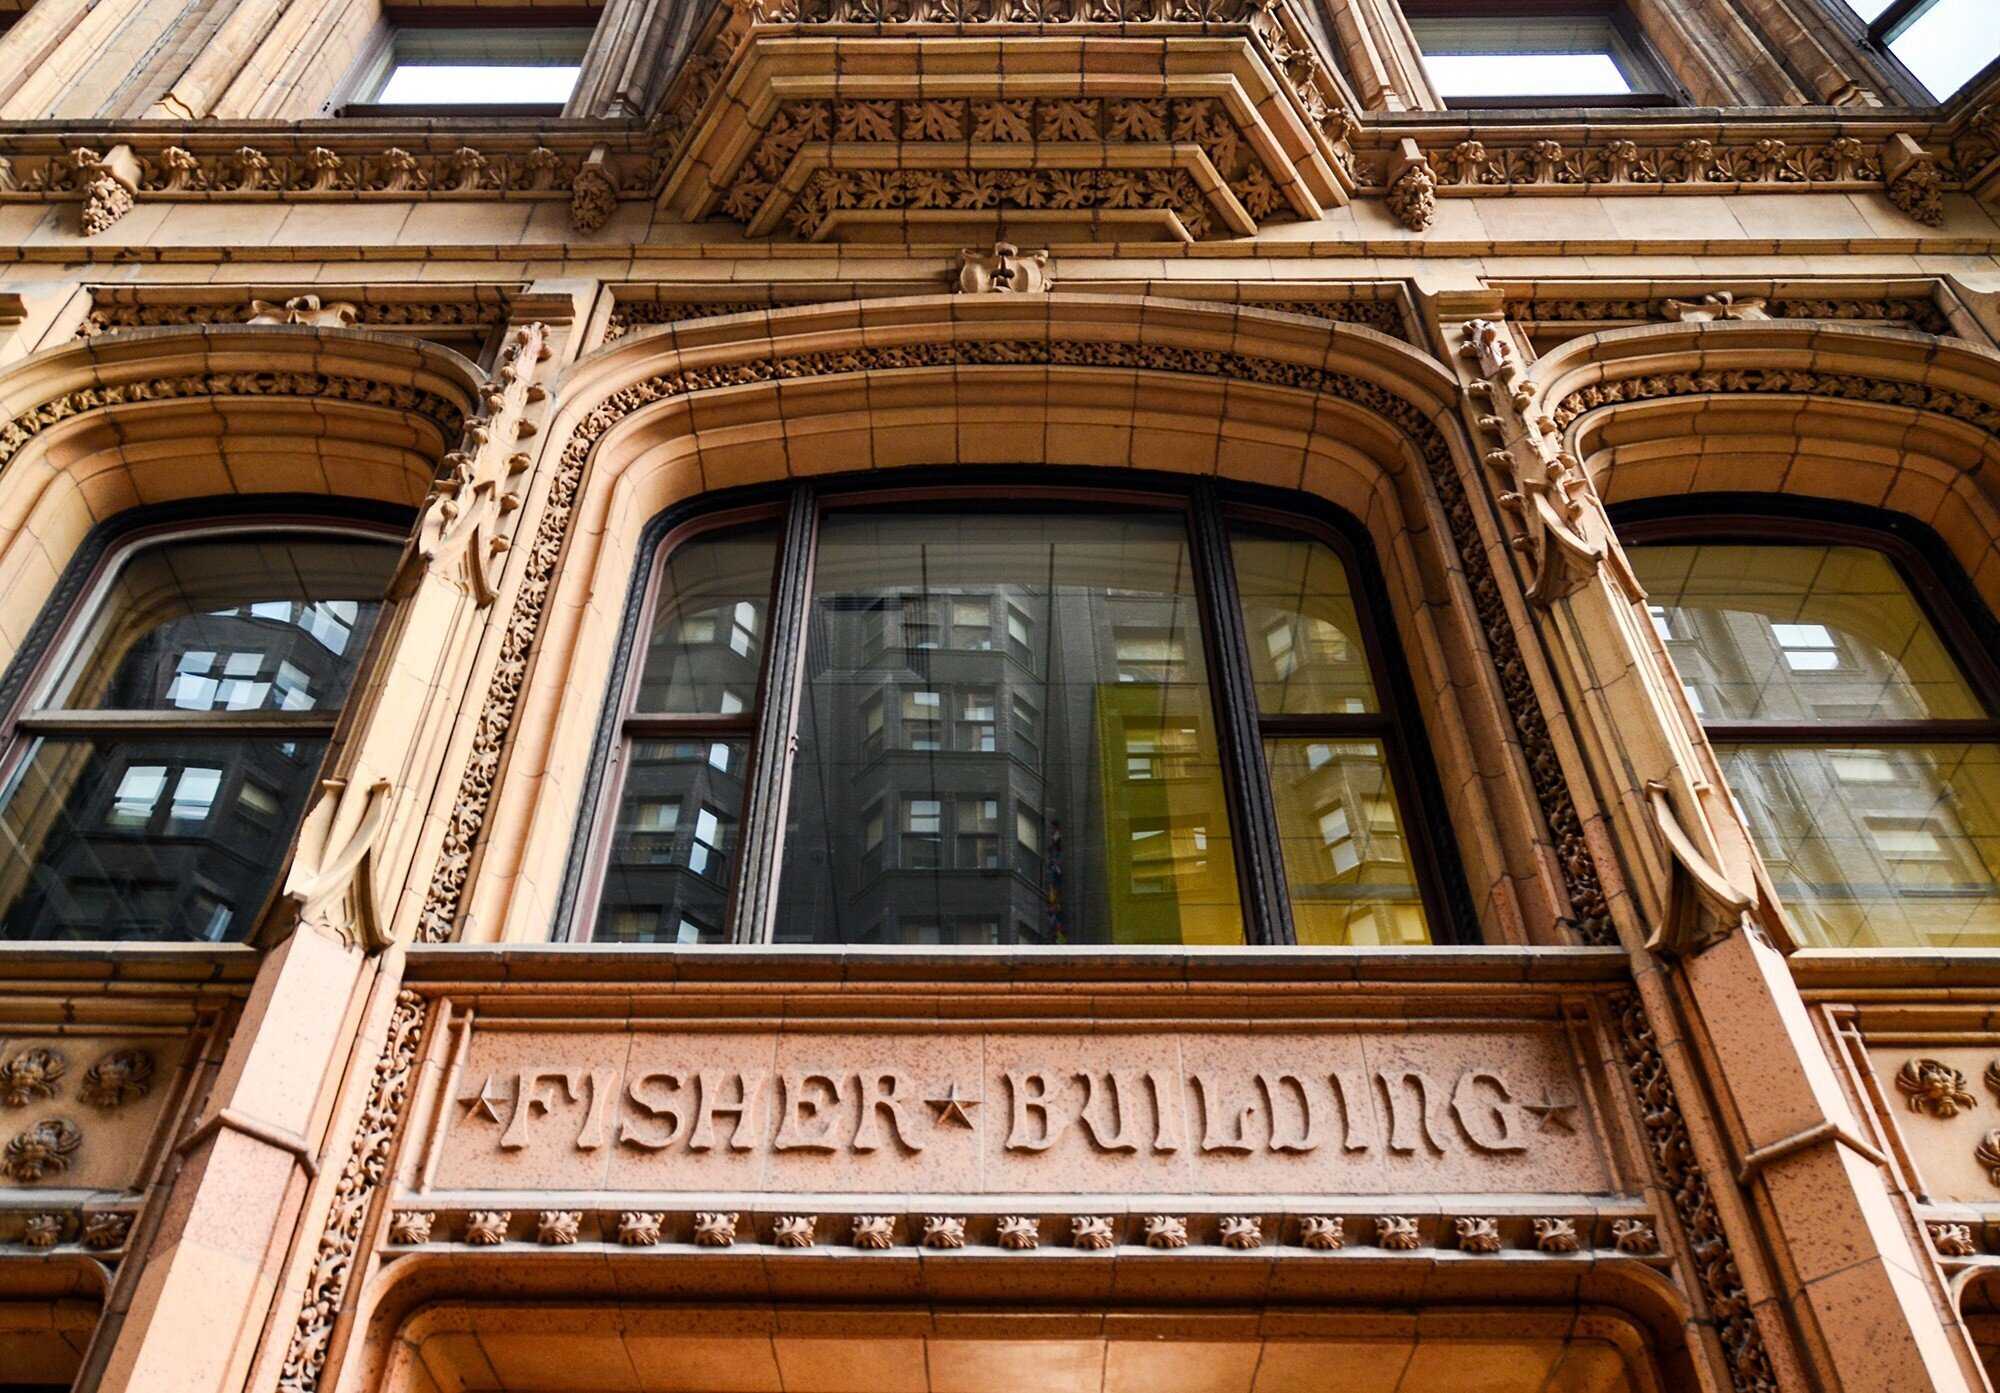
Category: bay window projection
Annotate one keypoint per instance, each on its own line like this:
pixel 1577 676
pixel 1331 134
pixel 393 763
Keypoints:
pixel 1007 733
pixel 1862 750
pixel 154 781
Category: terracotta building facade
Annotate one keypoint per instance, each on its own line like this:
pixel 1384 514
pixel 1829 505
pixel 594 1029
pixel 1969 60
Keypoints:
pixel 947 696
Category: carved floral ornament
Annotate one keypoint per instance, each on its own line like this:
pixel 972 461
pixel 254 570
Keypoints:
pixel 107 315
pixel 280 166
pixel 700 1231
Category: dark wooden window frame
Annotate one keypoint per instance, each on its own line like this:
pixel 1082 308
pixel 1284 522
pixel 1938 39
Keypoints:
pixel 72 609
pixel 1948 601
pixel 771 723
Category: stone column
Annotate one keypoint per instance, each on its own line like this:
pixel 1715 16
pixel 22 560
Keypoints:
pixel 1785 1211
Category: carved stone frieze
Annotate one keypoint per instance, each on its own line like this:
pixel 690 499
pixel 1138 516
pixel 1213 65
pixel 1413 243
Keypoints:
pixel 31 422
pixel 628 316
pixel 1042 134
pixel 1681 1174
pixel 286 165
pixel 1915 312
pixel 153 312
pixel 354 1195
pixel 1776 382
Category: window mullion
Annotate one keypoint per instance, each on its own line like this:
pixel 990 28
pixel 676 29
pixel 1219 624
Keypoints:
pixel 757 864
pixel 1266 895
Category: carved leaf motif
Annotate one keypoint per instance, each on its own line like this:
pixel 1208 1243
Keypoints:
pixel 944 1231
pixel 875 1231
pixel 487 1228
pixel 715 1230
pixel 1241 1231
pixel 1020 1233
pixel 1166 1231
pixel 794 1230
pixel 1322 1232
pixel 106 1229
pixel 411 1226
pixel 42 1230
pixel 1397 1232
pixel 1557 1236
pixel 1091 1231
pixel 1634 1236
pixel 639 1229
pixel 1002 121
pixel 1478 1235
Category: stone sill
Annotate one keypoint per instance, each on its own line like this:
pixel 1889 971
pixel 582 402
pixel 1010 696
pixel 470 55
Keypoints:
pixel 657 965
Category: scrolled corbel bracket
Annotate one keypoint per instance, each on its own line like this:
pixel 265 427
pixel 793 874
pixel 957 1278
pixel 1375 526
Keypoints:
pixel 1705 904
pixel 331 883
pixel 459 532
pixel 1545 489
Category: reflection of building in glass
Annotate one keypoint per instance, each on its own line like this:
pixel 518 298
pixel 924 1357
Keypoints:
pixel 1816 672
pixel 1020 756
pixel 158 835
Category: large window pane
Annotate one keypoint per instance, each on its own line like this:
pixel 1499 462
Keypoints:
pixel 1948 43
pixel 1346 854
pixel 1799 634
pixel 1890 846
pixel 667 875
pixel 1306 654
pixel 150 839
pixel 231 624
pixel 1094 813
pixel 706 644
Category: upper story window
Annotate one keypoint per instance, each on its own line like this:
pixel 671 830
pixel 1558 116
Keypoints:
pixel 1535 55
pixel 1855 723
pixel 156 773
pixel 1944 43
pixel 507 66
pixel 1007 732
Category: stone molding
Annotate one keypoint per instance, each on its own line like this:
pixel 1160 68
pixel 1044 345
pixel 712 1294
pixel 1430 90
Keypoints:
pixel 367 1163
pixel 1595 1233
pixel 1681 1175
pixel 25 425
pixel 1918 312
pixel 425 310
pixel 631 314
pixel 293 163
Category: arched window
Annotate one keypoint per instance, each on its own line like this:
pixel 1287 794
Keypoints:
pixel 1852 705
pixel 170 738
pixel 1039 719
